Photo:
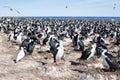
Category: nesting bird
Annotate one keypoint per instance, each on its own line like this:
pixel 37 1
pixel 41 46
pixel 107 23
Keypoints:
pixel 109 61
pixel 89 52
pixel 78 43
pixel 116 38
pixel 26 48
pixel 16 37
pixel 50 36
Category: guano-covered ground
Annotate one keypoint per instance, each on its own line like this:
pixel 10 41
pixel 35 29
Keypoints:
pixel 40 66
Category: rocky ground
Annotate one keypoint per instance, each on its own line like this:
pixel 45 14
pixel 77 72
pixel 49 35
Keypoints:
pixel 40 66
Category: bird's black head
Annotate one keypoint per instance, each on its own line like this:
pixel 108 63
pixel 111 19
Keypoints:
pixel 35 40
pixel 61 36
pixel 46 39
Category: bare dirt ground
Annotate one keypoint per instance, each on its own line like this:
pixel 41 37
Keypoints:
pixel 40 66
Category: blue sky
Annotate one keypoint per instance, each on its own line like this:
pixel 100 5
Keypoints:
pixel 57 7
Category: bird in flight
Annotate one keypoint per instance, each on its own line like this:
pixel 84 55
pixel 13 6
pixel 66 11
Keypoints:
pixel 114 6
pixel 66 7
pixel 11 9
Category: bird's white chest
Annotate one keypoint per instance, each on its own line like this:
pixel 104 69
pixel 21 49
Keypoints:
pixel 114 37
pixel 18 40
pixel 20 55
pixel 92 53
pixel 78 46
pixel 104 61
pixel 60 52
pixel 12 37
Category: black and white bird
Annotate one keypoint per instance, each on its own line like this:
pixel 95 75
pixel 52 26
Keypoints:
pixel 25 42
pixel 116 38
pixel 40 35
pixel 56 47
pixel 46 40
pixel 78 43
pixel 99 40
pixel 96 38
pixel 47 30
pixel 99 50
pixel 60 51
pixel 109 61
pixel 26 48
pixel 30 48
pixel 89 52
pixel 15 37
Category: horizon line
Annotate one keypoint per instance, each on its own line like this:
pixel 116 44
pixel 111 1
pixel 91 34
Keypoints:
pixel 59 16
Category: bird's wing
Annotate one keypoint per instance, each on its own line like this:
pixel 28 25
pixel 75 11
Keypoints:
pixel 111 61
pixel 17 11
pixel 6 7
pixel 85 54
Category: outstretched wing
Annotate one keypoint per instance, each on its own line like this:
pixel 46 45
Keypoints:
pixel 17 11
pixel 11 9
pixel 6 7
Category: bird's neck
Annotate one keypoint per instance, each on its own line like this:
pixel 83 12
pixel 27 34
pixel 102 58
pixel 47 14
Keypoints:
pixel 103 53
pixel 61 43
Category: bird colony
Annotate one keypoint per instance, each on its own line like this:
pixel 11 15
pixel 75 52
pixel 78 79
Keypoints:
pixel 59 48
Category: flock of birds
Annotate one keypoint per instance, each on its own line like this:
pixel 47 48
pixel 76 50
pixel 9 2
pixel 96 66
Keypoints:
pixel 28 32
pixel 18 12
